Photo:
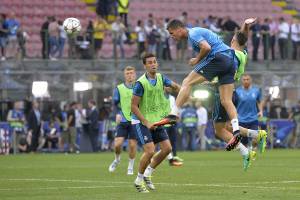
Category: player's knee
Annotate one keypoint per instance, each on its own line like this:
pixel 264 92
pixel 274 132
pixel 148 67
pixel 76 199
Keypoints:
pixel 149 153
pixel 167 149
pixel 226 102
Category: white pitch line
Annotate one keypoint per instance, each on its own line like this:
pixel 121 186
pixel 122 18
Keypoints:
pixel 228 185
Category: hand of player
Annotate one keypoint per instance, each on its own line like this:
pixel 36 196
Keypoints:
pixel 150 126
pixel 260 114
pixel 193 61
pixel 250 20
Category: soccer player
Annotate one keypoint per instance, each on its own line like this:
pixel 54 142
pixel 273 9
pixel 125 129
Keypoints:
pixel 214 59
pixel 220 116
pixel 149 105
pixel 122 101
pixel 249 105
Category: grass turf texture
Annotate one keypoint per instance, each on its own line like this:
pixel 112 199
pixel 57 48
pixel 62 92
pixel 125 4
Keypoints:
pixel 204 175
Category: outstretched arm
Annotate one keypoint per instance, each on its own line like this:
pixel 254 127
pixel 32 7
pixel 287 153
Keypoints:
pixel 246 25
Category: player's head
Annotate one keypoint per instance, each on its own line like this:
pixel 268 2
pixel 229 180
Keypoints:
pixel 129 74
pixel 246 81
pixel 150 63
pixel 177 29
pixel 241 38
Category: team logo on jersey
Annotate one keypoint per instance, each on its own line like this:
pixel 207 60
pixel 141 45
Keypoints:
pixel 145 138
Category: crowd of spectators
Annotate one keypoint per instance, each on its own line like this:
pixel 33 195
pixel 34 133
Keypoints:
pixel 270 38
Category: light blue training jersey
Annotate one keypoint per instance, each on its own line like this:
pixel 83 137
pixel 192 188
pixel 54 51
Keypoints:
pixel 198 34
pixel 246 103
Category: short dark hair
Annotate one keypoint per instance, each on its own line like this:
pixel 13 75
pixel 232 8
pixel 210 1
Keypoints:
pixel 147 55
pixel 241 38
pixel 174 24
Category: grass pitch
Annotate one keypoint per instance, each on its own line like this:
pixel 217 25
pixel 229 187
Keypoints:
pixel 204 175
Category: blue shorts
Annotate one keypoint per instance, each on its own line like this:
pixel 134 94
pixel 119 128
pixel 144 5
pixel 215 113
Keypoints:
pixel 144 135
pixel 125 130
pixel 221 66
pixel 250 125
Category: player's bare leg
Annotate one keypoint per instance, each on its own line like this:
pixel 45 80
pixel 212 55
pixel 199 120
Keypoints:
pixel 165 149
pixel 149 151
pixel 118 149
pixel 132 152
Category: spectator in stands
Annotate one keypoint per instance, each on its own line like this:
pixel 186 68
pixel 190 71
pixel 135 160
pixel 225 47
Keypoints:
pixel 152 40
pixel 256 36
pixel 141 38
pixel 265 30
pixel 295 36
pixel 283 34
pixel 61 39
pixel 92 118
pixel 90 32
pixel 103 8
pixel 202 121
pixel 214 26
pixel 3 36
pixel 16 119
pixel 230 27
pixel 45 38
pixel 34 125
pixel 273 35
pixel 123 6
pixel 22 38
pixel 13 26
pixel 99 28
pixel 53 32
pixel 182 45
pixel 118 32
pixel 295 115
pixel 165 52
pixel 83 46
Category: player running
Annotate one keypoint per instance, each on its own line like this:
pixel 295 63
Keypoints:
pixel 122 100
pixel 149 105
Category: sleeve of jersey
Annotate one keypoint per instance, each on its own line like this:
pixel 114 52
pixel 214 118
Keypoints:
pixel 196 36
pixel 138 89
pixel 167 82
pixel 259 95
pixel 116 100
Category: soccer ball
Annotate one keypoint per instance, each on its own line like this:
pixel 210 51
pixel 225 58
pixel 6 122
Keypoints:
pixel 72 26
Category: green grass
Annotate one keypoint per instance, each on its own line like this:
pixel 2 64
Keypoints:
pixel 205 175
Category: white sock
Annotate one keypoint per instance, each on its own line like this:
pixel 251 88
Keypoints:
pixel 174 110
pixel 139 179
pixel 170 156
pixel 252 133
pixel 130 163
pixel 117 157
pixel 243 149
pixel 148 172
pixel 235 125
